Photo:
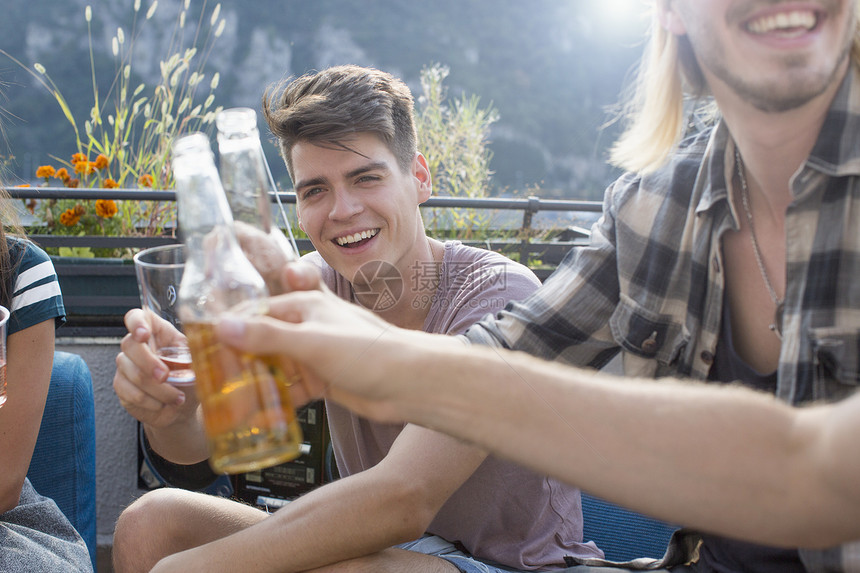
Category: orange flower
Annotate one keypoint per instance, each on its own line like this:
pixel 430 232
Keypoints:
pixel 23 185
pixel 84 167
pixel 105 208
pixel 45 171
pixel 79 210
pixel 110 183
pixel 69 218
pixel 72 183
pixel 78 157
pixel 31 206
pixel 146 180
pixel 101 162
pixel 62 174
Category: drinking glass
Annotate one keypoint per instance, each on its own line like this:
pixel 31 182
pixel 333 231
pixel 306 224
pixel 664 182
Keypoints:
pixel 159 272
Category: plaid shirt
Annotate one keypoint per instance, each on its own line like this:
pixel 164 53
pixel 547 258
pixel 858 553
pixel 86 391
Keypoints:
pixel 651 283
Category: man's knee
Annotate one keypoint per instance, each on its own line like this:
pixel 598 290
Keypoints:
pixel 149 529
pixel 153 512
pixel 168 520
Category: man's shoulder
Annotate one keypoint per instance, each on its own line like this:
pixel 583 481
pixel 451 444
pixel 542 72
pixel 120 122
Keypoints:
pixel 465 259
pixel 475 282
pixel 472 273
pixel 676 178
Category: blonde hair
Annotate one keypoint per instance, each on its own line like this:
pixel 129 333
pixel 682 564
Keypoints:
pixel 655 109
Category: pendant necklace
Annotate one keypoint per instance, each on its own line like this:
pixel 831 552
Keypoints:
pixel 776 326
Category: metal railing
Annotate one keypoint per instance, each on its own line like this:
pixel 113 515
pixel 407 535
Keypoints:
pixel 523 246
pixel 96 308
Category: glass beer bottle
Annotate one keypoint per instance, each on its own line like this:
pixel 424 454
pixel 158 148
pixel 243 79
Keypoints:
pixel 247 413
pixel 242 167
pixel 244 175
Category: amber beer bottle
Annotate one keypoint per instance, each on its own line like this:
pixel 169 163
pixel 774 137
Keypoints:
pixel 247 413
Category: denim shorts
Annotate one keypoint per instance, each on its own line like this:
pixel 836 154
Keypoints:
pixel 438 547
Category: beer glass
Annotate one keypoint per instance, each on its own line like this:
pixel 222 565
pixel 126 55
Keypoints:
pixel 159 273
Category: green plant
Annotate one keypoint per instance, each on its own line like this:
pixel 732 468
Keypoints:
pixel 126 139
pixel 453 137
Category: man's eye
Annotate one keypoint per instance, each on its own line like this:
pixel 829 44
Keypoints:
pixel 308 193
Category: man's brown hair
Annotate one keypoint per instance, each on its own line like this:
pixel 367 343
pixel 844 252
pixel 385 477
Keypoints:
pixel 327 108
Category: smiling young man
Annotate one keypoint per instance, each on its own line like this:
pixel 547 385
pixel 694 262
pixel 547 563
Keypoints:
pixel 728 256
pixel 410 499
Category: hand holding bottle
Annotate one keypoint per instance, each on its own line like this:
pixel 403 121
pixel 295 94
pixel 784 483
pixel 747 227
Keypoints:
pixel 269 258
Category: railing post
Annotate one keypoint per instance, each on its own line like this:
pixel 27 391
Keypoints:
pixel 529 211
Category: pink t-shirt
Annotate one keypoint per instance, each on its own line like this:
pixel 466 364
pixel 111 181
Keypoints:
pixel 503 512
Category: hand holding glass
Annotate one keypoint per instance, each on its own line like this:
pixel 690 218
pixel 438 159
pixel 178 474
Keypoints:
pixel 159 272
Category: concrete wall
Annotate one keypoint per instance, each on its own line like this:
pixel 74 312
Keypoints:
pixel 116 434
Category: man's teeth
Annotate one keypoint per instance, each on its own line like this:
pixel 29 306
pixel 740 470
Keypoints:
pixel 799 19
pixel 356 237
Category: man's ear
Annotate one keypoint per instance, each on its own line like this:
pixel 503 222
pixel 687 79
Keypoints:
pixel 669 18
pixel 421 172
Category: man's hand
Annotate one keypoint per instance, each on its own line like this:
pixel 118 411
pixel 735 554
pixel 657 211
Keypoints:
pixel 340 347
pixel 299 329
pixel 269 253
pixel 140 379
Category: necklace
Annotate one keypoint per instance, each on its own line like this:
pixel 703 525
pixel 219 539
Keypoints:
pixel 776 326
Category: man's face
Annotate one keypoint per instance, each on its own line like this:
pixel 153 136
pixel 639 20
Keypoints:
pixel 776 55
pixel 357 206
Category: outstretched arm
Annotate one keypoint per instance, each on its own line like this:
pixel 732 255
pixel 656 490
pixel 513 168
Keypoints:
pixel 727 460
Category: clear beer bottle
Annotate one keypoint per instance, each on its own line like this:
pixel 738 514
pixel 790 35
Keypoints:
pixel 245 177
pixel 247 412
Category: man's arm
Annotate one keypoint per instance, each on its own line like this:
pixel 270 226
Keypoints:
pixel 391 503
pixel 727 460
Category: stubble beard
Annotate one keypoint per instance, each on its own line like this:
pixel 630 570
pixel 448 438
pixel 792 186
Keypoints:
pixel 790 94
